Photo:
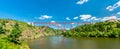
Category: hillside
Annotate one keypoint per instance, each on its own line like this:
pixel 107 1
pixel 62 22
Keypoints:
pixel 100 29
pixel 13 33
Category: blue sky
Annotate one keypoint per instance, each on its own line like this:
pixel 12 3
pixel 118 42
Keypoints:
pixel 60 10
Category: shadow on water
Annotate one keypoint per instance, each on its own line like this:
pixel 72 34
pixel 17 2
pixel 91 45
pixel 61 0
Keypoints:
pixel 59 42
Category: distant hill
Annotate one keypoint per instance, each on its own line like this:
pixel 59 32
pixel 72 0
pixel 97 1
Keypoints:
pixel 107 29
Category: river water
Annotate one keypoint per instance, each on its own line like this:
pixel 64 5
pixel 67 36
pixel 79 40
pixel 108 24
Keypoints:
pixel 59 42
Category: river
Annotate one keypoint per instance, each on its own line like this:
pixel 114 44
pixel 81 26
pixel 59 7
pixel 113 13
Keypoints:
pixel 59 42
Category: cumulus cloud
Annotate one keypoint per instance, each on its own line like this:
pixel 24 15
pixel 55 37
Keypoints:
pixel 108 18
pixel 118 13
pixel 94 18
pixel 45 17
pixel 82 1
pixel 59 25
pixel 103 18
pixel 67 18
pixel 72 23
pixel 76 17
pixel 116 5
pixel 52 21
pixel 85 17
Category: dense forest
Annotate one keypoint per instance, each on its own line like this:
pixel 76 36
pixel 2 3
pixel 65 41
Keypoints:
pixel 13 33
pixel 105 29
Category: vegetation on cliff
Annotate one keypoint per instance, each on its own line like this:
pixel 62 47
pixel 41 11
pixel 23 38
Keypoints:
pixel 13 33
pixel 10 38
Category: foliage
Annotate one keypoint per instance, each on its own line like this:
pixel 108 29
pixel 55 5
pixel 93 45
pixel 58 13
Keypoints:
pixel 15 34
pixel 10 33
pixel 4 44
pixel 99 29
pixel 2 31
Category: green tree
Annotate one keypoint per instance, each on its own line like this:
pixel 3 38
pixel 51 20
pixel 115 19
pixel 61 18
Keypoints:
pixel 15 34
pixel 2 31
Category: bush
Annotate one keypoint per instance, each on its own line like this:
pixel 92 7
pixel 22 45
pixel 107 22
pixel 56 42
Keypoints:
pixel 99 29
pixel 15 34
pixel 2 31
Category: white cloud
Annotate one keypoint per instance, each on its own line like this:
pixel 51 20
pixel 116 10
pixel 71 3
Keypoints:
pixel 110 8
pixel 94 18
pixel 102 19
pixel 108 18
pixel 59 25
pixel 76 17
pixel 52 21
pixel 82 1
pixel 55 22
pixel 116 5
pixel 45 17
pixel 67 18
pixel 118 13
pixel 72 23
pixel 85 17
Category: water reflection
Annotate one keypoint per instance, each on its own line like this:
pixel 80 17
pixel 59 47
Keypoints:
pixel 58 42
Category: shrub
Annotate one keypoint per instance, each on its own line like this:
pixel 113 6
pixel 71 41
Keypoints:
pixel 15 34
pixel 2 31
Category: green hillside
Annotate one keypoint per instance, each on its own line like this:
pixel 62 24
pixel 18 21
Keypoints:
pixel 13 33
pixel 100 29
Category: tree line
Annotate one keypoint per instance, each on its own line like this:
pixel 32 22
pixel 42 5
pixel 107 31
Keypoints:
pixel 98 29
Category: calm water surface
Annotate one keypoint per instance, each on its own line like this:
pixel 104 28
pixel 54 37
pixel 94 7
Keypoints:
pixel 59 42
